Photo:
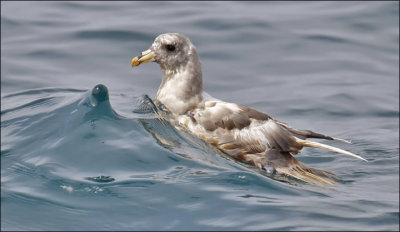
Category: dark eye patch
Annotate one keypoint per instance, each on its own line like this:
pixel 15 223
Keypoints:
pixel 170 47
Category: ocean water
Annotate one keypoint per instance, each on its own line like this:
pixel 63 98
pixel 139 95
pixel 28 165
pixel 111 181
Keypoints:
pixel 83 149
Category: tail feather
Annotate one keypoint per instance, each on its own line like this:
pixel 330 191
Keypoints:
pixel 301 136
pixel 285 164
pixel 307 143
pixel 311 175
pixel 307 134
pixel 341 140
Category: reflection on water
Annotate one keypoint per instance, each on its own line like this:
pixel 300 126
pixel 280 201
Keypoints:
pixel 85 156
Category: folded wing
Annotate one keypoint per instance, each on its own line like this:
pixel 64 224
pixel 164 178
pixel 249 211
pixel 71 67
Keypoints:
pixel 256 138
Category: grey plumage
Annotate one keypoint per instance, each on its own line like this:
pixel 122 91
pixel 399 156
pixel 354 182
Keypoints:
pixel 239 131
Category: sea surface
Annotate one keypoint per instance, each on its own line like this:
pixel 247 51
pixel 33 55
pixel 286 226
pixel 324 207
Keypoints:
pixel 82 147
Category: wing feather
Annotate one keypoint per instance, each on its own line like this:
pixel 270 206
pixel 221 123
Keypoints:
pixel 248 131
pixel 256 138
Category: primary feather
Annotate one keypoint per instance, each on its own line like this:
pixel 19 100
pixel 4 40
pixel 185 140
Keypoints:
pixel 239 131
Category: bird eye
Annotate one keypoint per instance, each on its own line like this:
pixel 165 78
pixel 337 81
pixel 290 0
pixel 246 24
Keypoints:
pixel 170 47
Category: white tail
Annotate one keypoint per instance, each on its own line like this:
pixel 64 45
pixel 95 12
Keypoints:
pixel 341 140
pixel 307 143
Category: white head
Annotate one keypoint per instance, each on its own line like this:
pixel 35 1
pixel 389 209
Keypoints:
pixel 171 50
pixel 182 87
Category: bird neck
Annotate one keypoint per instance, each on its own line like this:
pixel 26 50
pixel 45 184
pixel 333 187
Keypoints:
pixel 182 87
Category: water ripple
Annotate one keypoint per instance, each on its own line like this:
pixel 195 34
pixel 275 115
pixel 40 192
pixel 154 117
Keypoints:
pixel 69 155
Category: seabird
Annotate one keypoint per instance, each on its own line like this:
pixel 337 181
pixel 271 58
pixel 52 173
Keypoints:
pixel 241 132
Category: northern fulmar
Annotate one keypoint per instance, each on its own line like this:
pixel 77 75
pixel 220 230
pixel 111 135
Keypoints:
pixel 241 132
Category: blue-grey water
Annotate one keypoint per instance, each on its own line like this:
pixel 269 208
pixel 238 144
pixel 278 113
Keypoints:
pixel 74 159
